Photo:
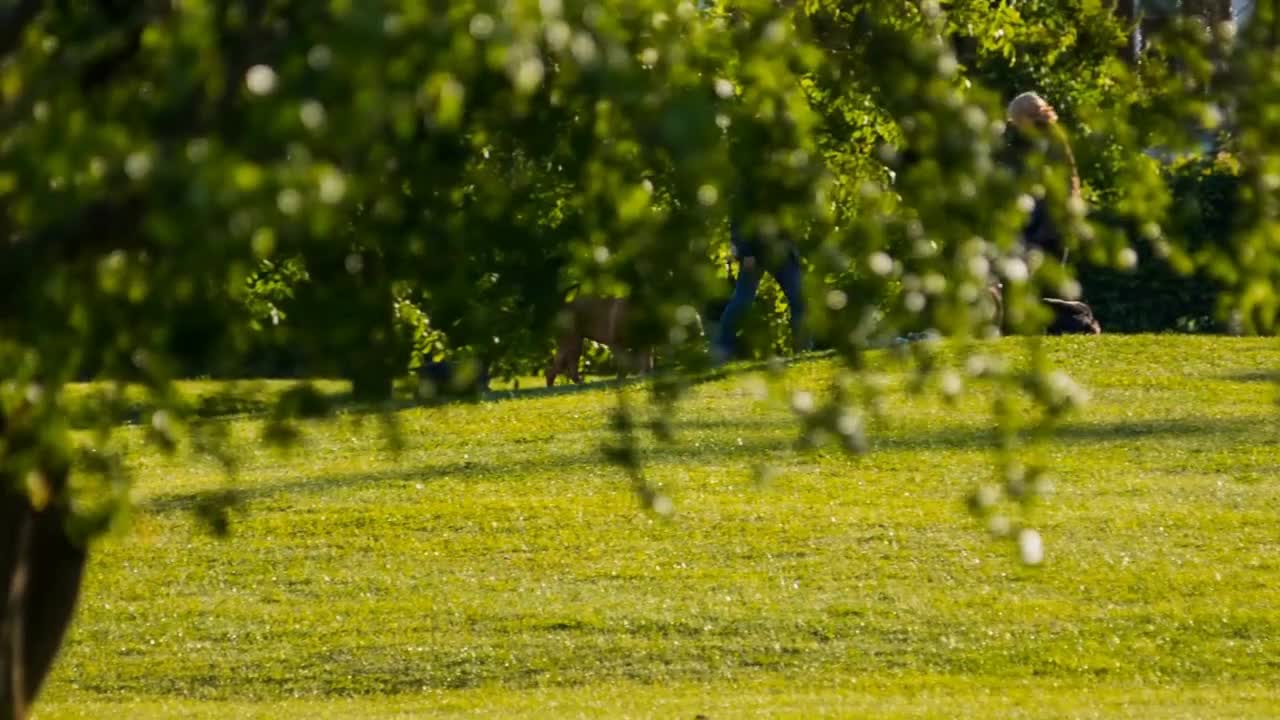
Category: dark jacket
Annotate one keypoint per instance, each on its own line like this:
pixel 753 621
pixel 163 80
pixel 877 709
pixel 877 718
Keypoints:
pixel 1041 230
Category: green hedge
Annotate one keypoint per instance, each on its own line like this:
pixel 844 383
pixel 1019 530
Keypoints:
pixel 1154 297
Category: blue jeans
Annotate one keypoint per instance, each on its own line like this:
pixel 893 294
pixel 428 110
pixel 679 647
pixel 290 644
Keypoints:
pixel 744 293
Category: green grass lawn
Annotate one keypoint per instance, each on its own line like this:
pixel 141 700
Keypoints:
pixel 496 567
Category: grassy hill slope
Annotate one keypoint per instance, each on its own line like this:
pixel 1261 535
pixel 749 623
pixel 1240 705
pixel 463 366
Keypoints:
pixel 498 567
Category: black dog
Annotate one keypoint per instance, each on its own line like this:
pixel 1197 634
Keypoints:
pixel 447 378
pixel 1071 317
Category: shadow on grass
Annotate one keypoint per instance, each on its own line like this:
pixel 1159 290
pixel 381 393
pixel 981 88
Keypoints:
pixel 255 398
pixel 747 440
pixel 688 377
pixel 1247 376
pixel 981 438
pixel 178 502
pixel 536 392
pixel 249 402
pixel 237 401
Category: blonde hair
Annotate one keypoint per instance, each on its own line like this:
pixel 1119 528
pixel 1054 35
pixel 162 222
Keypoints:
pixel 1031 106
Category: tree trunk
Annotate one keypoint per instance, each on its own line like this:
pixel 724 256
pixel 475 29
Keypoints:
pixel 1128 12
pixel 40 565
pixel 41 570
pixel 376 358
pixel 371 384
pixel 344 319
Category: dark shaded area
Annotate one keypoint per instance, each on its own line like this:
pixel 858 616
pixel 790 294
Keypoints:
pixel 250 401
pixel 1154 296
pixel 1250 376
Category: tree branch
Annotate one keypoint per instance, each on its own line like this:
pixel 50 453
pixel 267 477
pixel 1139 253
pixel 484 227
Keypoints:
pixel 15 23
pixel 101 69
pixel 100 226
pixel 235 50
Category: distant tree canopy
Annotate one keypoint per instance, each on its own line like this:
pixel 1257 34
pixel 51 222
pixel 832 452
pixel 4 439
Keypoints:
pixel 179 180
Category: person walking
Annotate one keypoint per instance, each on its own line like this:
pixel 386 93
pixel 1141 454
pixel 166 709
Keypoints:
pixel 754 260
pixel 1033 127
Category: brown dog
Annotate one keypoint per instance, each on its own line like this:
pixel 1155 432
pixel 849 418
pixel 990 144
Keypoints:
pixel 604 321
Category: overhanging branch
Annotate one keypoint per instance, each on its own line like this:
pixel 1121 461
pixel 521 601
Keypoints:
pixel 15 22
pixel 99 227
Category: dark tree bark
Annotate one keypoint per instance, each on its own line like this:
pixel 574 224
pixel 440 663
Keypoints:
pixel 40 573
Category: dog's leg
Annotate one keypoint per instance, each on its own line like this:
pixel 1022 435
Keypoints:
pixel 553 369
pixel 558 363
pixel 622 360
pixel 574 359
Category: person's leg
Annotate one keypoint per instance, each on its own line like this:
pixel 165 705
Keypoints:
pixel 744 293
pixel 790 279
